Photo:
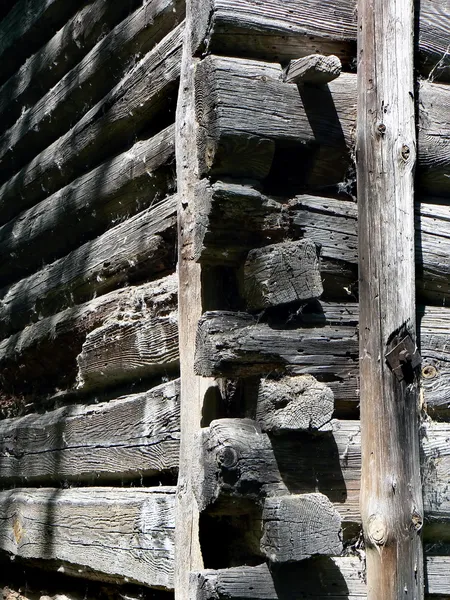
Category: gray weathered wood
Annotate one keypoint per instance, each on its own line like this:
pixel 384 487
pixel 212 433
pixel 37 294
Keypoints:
pixel 234 458
pixel 132 105
pixel 281 273
pixel 51 62
pixel 86 84
pixel 294 404
pixel 284 30
pixel 42 357
pixel 115 534
pixel 128 349
pixel 233 218
pixel 323 343
pixel 28 25
pixel 242 103
pixel 239 462
pixel 297 527
pixel 340 578
pixel 315 68
pixel 391 501
pixel 115 190
pixel 130 437
pixel 120 255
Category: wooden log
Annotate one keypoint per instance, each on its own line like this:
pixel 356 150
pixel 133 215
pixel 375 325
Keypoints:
pixel 115 534
pixel 239 462
pixel 340 578
pixel 102 131
pixel 281 273
pixel 86 84
pixel 127 350
pixel 324 344
pixel 391 501
pixel 28 25
pixel 122 254
pixel 315 69
pixel 298 527
pixel 50 63
pixel 42 358
pixel 131 437
pixel 235 459
pixel 283 31
pixel 294 404
pixel 241 103
pixel 116 189
pixel 234 218
pixel 235 345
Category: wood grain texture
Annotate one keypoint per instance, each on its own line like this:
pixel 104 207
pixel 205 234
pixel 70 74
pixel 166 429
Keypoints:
pixel 243 105
pixel 281 273
pixel 28 25
pixel 114 534
pixel 322 342
pixel 133 436
pixel 86 84
pixel 119 188
pixel 313 69
pixel 233 218
pixel 127 350
pixel 298 527
pixel 239 462
pixel 294 404
pixel 42 357
pixel 340 578
pixel 60 54
pixel 123 254
pixel 391 501
pixel 102 131
pixel 283 30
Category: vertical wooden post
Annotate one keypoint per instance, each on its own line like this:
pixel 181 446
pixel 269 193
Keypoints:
pixel 188 555
pixel 391 497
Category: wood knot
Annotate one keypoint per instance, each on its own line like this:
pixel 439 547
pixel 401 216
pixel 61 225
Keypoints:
pixel 377 530
pixel 227 457
pixel 381 128
pixel 406 152
pixel 429 372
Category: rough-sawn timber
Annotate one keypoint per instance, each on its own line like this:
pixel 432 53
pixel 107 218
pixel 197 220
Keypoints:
pixel 141 244
pixel 245 109
pixel 106 533
pixel 133 104
pixel 127 438
pixel 116 189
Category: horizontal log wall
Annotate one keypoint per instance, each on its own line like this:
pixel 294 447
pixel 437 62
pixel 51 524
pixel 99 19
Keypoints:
pixel 89 347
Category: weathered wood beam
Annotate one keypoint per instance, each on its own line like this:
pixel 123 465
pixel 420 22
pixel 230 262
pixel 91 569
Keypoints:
pixel 113 534
pixel 282 31
pixel 315 68
pixel 142 244
pixel 340 578
pixel 67 47
pixel 118 188
pixel 86 84
pixel 391 501
pixel 102 131
pixel 294 404
pixel 281 273
pixel 323 343
pixel 244 109
pixel 134 436
pixel 127 350
pixel 42 357
pixel 297 527
pixel 28 25
pixel 238 461
pixel 233 218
